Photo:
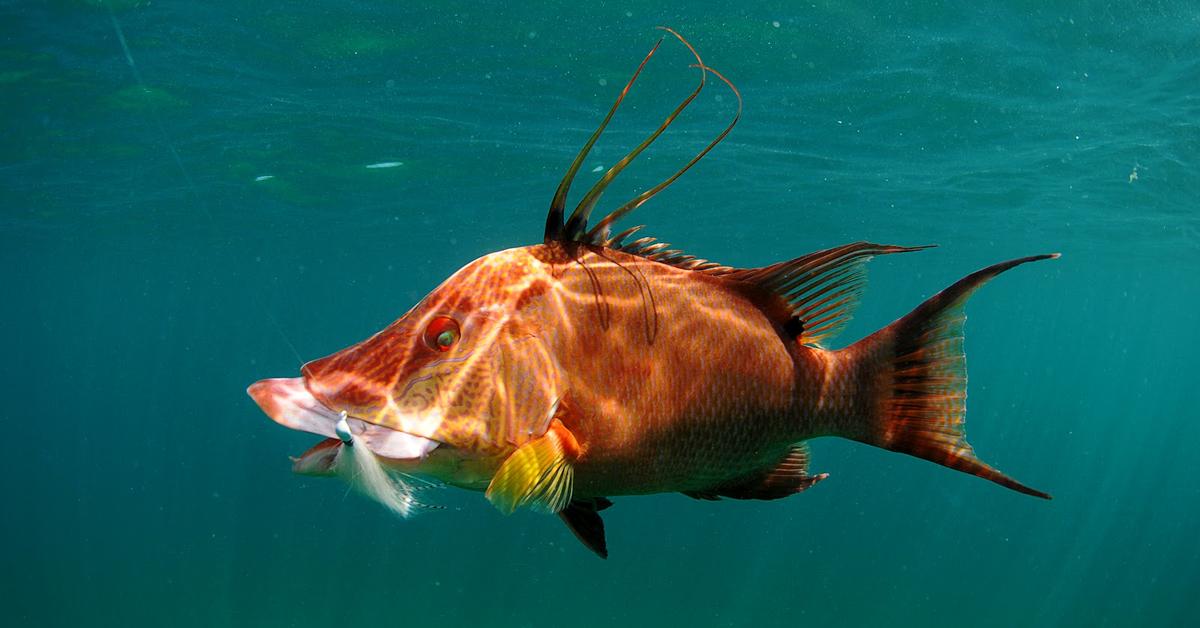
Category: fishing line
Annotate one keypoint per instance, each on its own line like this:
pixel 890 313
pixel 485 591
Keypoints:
pixel 279 328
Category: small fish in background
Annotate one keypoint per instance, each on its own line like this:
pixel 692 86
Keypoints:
pixel 559 375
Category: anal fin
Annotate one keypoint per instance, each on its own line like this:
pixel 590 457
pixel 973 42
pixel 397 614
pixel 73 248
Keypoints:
pixel 788 477
pixel 582 517
pixel 540 474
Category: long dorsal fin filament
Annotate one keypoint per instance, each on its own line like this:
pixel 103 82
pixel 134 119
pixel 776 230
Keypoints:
pixel 600 230
pixel 577 222
pixel 574 228
pixel 554 219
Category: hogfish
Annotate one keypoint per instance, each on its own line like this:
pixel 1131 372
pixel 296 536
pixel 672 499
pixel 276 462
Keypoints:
pixel 558 375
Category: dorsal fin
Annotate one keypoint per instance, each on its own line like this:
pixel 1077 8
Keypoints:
pixel 574 228
pixel 653 250
pixel 821 288
pixel 786 477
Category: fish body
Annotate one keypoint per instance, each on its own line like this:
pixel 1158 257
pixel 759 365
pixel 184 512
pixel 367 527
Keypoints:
pixel 557 375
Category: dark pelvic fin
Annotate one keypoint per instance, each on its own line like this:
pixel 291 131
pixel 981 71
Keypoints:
pixel 822 288
pixel 918 367
pixel 788 477
pixel 583 519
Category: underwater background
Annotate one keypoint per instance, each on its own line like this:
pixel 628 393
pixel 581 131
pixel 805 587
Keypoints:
pixel 198 195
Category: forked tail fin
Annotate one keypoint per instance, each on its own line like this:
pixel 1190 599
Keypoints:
pixel 918 368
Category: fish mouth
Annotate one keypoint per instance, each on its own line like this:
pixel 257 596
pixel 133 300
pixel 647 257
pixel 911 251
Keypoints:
pixel 289 403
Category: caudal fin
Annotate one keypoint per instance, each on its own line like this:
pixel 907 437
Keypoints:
pixel 918 367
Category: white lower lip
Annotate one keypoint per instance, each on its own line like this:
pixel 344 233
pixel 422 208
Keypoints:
pixel 288 402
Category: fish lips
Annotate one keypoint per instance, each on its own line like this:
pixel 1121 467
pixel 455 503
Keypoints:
pixel 289 403
pixel 319 460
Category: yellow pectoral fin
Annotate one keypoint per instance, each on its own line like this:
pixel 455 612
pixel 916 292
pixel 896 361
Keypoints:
pixel 539 474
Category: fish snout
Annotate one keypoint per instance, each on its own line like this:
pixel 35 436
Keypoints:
pixel 289 403
pixel 268 393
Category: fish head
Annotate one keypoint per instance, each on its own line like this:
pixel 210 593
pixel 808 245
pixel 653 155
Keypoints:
pixel 467 372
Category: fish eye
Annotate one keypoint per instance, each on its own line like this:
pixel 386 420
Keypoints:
pixel 442 333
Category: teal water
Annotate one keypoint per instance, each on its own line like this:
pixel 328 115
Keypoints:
pixel 150 276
